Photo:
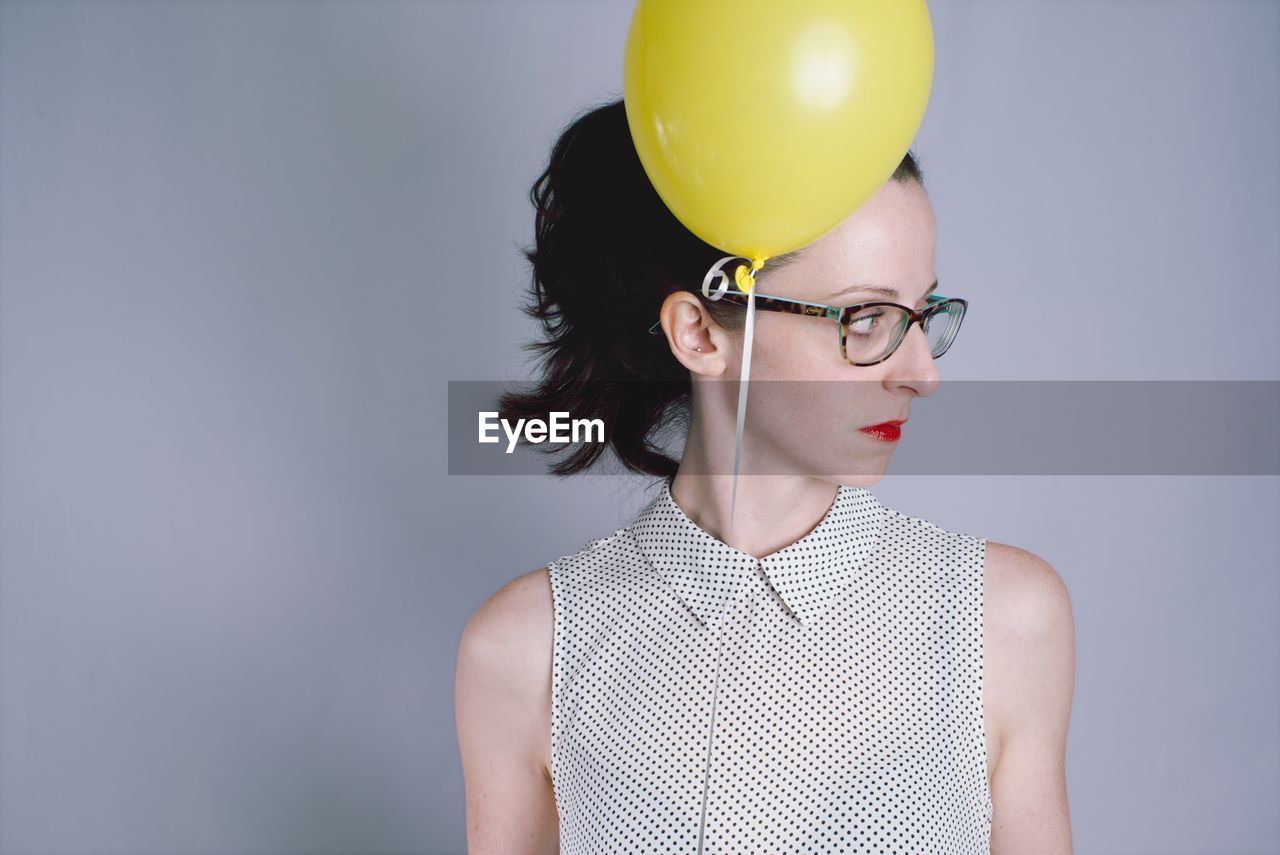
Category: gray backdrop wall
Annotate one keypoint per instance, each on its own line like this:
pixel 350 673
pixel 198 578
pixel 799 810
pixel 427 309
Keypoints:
pixel 245 245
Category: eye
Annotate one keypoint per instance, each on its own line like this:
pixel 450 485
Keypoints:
pixel 864 323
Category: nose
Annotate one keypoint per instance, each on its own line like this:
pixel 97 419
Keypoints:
pixel 912 364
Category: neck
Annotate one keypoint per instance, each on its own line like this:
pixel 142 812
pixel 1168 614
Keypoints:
pixel 771 511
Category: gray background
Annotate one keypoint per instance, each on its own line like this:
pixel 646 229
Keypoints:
pixel 245 245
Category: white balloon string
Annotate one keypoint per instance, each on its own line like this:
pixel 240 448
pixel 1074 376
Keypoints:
pixel 742 401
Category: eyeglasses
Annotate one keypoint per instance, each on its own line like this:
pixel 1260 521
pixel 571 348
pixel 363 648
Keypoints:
pixel 870 332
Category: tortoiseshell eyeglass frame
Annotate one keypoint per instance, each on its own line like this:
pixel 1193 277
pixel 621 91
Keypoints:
pixel 843 314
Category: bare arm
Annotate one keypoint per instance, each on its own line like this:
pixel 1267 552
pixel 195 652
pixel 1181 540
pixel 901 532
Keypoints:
pixel 502 703
pixel 1031 668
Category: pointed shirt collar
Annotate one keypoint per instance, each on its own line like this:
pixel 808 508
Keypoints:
pixel 806 574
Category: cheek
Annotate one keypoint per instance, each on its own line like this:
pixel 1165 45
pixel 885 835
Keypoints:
pixel 815 413
pixel 792 348
pixel 810 427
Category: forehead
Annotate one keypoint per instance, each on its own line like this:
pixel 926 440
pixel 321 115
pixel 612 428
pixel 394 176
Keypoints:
pixel 887 242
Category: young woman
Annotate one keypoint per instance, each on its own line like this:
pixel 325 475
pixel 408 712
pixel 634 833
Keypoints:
pixel 832 676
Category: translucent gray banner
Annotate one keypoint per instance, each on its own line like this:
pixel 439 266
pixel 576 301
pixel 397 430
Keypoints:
pixel 1053 427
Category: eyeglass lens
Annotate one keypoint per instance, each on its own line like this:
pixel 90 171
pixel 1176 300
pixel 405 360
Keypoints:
pixel 874 332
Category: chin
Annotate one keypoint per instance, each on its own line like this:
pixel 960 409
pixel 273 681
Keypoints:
pixel 863 470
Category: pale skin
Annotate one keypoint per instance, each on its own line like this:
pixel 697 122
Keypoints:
pixel 503 680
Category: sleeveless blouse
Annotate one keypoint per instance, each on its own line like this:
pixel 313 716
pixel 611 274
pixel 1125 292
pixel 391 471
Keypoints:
pixel 824 698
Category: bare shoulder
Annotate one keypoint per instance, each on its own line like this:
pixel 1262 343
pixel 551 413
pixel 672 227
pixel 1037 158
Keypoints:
pixel 504 666
pixel 509 635
pixel 1022 593
pixel 503 715
pixel 1028 683
pixel 514 613
pixel 1028 650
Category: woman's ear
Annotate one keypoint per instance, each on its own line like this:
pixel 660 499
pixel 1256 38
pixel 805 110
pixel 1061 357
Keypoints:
pixel 688 327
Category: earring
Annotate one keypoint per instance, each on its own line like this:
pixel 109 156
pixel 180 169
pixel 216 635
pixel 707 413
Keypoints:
pixel 698 349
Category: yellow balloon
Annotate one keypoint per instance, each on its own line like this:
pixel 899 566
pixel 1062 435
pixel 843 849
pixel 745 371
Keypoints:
pixel 764 123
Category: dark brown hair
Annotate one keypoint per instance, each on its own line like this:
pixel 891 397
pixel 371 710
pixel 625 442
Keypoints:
pixel 608 252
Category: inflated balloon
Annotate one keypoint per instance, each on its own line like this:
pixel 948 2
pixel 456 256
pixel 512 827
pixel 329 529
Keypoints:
pixel 762 123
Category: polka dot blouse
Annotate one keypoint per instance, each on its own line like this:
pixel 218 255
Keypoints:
pixel 824 698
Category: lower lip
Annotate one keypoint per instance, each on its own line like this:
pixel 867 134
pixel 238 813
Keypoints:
pixel 885 433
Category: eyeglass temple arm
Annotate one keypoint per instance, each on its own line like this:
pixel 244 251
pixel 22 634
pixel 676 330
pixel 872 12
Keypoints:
pixel 768 302
pixel 798 307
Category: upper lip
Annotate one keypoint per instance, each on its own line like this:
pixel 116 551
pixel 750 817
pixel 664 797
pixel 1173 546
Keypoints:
pixel 890 422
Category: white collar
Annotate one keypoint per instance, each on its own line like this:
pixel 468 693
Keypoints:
pixel 807 574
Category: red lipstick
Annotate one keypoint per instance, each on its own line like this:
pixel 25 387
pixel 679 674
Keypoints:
pixel 886 431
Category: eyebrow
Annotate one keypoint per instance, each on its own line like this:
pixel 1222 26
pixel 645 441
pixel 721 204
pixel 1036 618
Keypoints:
pixel 886 293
